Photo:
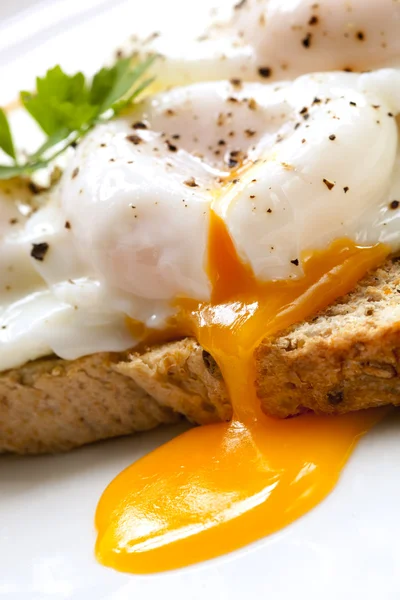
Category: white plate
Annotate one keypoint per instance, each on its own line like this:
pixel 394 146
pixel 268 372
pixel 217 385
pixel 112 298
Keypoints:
pixel 347 548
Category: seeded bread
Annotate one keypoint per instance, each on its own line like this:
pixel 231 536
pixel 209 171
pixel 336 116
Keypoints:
pixel 345 358
pixel 342 359
pixel 53 405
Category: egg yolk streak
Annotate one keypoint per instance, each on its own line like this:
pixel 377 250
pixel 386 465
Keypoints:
pixel 219 487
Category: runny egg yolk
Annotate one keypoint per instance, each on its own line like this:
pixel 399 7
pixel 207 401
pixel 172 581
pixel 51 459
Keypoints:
pixel 218 487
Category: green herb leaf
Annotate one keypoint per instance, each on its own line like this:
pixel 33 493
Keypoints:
pixel 53 114
pixel 66 107
pixel 61 101
pixel 6 141
pixel 51 141
pixel 122 104
pixel 111 85
pixel 105 81
pixel 8 172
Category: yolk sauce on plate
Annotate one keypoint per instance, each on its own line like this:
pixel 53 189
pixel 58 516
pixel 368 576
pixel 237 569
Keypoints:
pixel 219 487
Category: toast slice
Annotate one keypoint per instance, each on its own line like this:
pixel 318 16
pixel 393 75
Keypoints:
pixel 53 405
pixel 345 358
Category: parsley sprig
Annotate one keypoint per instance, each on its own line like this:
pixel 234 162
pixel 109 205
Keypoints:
pixel 66 107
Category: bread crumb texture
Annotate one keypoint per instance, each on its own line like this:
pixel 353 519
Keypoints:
pixel 53 405
pixel 345 358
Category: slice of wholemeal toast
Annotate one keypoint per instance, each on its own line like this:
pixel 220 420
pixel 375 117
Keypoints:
pixel 53 405
pixel 345 358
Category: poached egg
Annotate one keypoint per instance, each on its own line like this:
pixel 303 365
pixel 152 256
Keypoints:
pixel 280 39
pixel 124 237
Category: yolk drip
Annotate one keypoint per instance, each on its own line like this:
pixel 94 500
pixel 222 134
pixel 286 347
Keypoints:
pixel 216 488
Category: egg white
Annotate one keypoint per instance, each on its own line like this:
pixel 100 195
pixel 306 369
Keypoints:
pixel 127 225
pixel 281 39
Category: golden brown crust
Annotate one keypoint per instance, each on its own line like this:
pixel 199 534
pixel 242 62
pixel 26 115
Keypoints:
pixel 345 358
pixel 53 405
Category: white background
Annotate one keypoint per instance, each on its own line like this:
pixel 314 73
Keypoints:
pixel 347 548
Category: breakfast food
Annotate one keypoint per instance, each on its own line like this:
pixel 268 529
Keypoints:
pixel 343 359
pixel 273 40
pixel 101 281
pixel 214 250
pixel 54 405
pixel 101 270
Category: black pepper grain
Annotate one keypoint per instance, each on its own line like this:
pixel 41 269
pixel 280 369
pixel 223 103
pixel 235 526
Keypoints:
pixel 191 182
pixel 35 188
pixel 329 184
pixel 135 139
pixel 235 157
pixel 236 82
pixel 232 162
pixel 171 147
pixel 265 72
pixel 39 251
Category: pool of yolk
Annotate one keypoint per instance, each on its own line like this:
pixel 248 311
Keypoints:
pixel 219 487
